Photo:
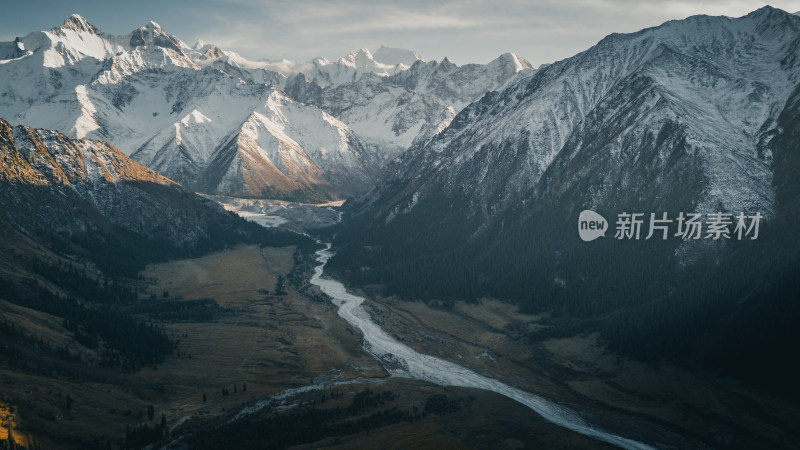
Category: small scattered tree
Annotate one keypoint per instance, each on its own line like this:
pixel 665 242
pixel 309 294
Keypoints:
pixel 204 397
pixel 11 442
pixel 151 412
pixel 280 286
pixel 69 402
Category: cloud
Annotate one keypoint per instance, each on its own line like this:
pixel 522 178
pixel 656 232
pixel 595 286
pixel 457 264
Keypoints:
pixel 283 27
pixel 354 20
pixel 466 31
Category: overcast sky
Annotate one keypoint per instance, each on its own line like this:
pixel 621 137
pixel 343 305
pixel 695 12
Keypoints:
pixel 464 30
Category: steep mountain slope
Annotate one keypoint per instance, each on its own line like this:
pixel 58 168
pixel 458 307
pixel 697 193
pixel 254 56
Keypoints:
pixel 350 68
pixel 719 81
pixel 395 56
pixel 677 118
pixel 86 200
pixel 56 62
pixel 395 112
pixel 183 109
pixel 80 221
pixel 274 147
pixel 120 88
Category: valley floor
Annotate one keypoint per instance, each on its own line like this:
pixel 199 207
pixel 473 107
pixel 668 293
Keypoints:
pixel 267 342
pixel 661 405
pixel 271 341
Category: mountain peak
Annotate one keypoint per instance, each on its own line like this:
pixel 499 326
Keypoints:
pixel 77 23
pixel 448 62
pixel 153 34
pixel 77 18
pixel 766 11
pixel 43 157
pixel 359 59
pixel 277 95
pixel 512 59
pixel 394 56
pixel 363 52
pixel 765 8
pixel 212 52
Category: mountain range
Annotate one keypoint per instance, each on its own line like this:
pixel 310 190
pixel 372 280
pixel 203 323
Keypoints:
pixel 217 123
pixel 463 183
pixel 86 201
pixel 693 116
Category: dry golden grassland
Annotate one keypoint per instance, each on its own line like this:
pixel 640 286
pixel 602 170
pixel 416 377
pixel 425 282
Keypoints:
pixel 267 342
pixel 232 277
pixel 271 343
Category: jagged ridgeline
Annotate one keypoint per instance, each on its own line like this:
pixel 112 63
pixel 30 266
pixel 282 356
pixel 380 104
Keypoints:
pixel 217 123
pixel 85 198
pixel 79 220
pixel 697 115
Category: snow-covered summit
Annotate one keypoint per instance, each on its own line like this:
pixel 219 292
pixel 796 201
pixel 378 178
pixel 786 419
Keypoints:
pixel 676 116
pixel 77 24
pixel 349 68
pixel 184 110
pixel 394 56
pixel 153 34
pixel 77 39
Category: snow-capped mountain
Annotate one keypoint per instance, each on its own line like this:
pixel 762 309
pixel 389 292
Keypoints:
pixel 412 105
pixel 281 145
pixel 184 110
pixel 679 117
pixel 48 158
pixel 44 64
pixel 350 68
pixel 395 56
pixel 61 192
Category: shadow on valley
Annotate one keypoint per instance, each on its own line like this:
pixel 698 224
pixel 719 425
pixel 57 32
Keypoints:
pixel 729 308
pixel 69 268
